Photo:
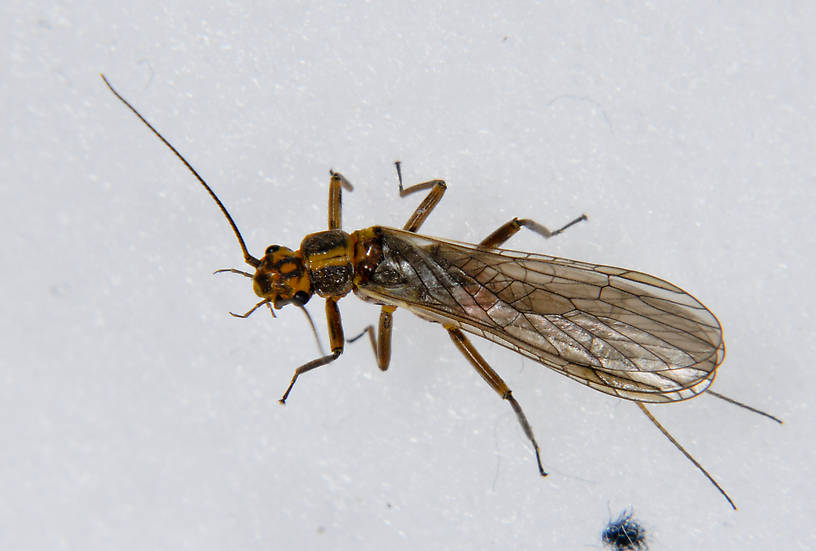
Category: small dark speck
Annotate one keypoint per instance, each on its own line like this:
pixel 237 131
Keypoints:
pixel 625 533
pixel 505 38
pixel 321 529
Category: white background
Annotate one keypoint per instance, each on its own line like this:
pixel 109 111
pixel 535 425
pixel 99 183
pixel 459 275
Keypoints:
pixel 136 414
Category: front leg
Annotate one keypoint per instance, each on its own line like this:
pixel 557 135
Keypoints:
pixel 336 185
pixel 336 342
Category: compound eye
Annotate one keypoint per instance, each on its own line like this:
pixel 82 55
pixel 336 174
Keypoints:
pixel 301 297
pixel 272 249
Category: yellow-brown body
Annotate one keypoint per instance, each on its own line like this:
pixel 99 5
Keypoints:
pixel 618 331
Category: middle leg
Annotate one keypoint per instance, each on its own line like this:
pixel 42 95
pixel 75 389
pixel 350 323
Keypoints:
pixel 381 343
pixel 424 209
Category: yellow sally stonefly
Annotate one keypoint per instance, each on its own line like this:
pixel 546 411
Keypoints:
pixel 619 331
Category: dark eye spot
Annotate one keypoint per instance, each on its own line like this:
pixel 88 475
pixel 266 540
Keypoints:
pixel 272 248
pixel 302 297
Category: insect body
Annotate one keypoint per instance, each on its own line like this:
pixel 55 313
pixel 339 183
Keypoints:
pixel 618 331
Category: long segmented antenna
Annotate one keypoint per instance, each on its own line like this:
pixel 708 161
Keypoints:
pixel 248 258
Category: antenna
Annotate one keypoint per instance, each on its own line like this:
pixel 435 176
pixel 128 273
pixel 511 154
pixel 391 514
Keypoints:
pixel 248 258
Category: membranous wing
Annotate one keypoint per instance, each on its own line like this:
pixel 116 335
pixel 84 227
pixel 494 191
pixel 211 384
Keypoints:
pixel 622 332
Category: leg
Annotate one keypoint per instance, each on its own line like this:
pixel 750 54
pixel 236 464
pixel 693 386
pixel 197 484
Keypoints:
pixel 437 188
pixel 382 343
pixel 496 382
pixel 337 182
pixel 509 229
pixel 335 340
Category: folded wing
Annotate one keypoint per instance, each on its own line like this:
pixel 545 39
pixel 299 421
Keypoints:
pixel 618 331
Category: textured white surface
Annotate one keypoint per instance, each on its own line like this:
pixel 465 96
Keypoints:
pixel 137 415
